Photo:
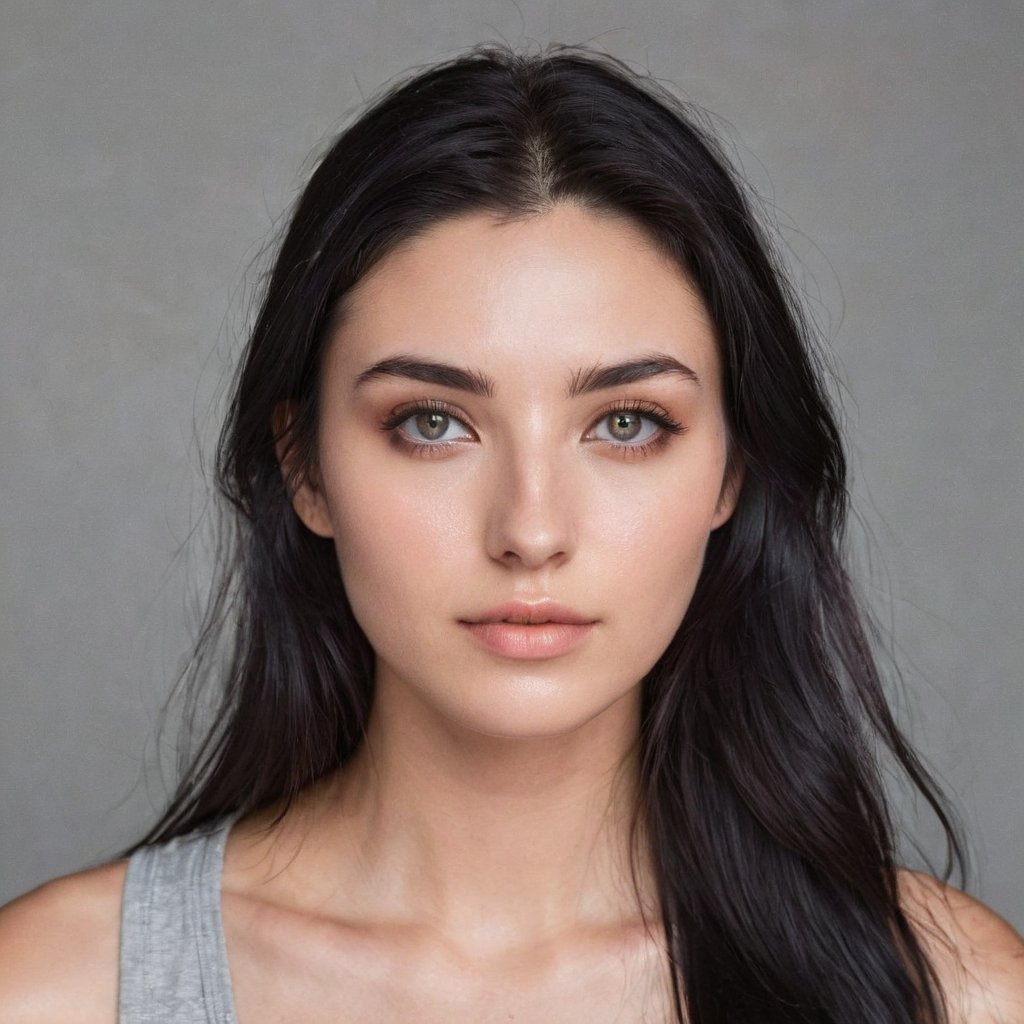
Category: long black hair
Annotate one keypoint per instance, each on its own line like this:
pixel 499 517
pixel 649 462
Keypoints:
pixel 764 723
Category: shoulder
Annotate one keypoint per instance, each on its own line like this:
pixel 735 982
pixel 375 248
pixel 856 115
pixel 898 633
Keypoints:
pixel 977 955
pixel 59 949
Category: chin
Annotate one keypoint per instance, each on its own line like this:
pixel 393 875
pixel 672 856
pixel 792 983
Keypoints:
pixel 535 708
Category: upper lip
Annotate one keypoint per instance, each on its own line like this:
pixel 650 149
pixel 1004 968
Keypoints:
pixel 532 612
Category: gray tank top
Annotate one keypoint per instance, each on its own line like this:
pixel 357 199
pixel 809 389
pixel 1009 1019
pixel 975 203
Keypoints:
pixel 173 960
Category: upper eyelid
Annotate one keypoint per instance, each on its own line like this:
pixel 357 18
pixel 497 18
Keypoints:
pixel 407 410
pixel 652 410
pixel 641 405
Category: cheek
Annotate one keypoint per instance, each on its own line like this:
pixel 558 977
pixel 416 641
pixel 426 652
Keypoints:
pixel 665 518
pixel 651 543
pixel 397 544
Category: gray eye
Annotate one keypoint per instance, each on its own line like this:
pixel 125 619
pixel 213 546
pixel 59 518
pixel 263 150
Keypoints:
pixel 432 425
pixel 626 427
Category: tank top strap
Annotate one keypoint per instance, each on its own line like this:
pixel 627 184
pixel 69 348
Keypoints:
pixel 173 959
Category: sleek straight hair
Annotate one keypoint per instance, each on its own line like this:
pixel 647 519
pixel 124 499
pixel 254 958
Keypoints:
pixel 764 724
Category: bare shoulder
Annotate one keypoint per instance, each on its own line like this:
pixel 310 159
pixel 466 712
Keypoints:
pixel 59 950
pixel 978 956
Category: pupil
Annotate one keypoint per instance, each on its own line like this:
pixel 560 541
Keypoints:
pixel 432 425
pixel 625 425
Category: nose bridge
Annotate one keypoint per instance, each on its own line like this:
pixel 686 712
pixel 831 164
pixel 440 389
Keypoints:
pixel 531 511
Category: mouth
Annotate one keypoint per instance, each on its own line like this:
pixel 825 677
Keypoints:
pixel 538 630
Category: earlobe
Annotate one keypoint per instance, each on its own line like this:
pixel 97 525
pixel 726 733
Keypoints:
pixel 311 508
pixel 731 488
pixel 307 499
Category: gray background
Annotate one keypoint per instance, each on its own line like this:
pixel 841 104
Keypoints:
pixel 148 151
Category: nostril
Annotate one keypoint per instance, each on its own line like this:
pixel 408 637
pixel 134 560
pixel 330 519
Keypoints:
pixel 533 559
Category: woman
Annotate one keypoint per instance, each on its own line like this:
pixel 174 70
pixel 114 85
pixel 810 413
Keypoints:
pixel 547 696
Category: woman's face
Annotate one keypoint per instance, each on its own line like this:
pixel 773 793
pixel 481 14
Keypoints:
pixel 521 421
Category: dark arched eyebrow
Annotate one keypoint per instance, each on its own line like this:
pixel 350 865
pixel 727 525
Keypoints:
pixel 597 378
pixel 473 381
pixel 582 382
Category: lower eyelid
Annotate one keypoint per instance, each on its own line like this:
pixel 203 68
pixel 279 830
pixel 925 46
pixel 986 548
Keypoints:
pixel 636 451
pixel 424 449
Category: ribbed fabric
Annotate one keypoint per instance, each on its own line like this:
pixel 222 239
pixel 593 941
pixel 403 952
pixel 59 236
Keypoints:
pixel 173 961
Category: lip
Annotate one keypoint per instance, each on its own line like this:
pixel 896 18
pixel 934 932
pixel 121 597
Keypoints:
pixel 542 629
pixel 532 613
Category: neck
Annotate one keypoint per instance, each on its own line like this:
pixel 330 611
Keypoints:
pixel 493 842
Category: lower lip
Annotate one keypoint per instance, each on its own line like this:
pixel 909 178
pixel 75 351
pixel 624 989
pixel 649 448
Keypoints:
pixel 520 640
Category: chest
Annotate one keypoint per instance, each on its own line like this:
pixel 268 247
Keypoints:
pixel 285 967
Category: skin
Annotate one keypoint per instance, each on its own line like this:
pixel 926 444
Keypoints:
pixel 471 862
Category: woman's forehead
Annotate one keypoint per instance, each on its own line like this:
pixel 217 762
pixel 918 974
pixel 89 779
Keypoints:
pixel 564 289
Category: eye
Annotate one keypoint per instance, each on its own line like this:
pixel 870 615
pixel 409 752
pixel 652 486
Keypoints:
pixel 426 425
pixel 635 427
pixel 431 425
pixel 626 426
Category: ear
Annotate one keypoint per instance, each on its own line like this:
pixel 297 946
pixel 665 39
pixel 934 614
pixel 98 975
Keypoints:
pixel 306 496
pixel 735 470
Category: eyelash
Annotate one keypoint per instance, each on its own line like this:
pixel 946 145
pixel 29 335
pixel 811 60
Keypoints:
pixel 424 449
pixel 427 449
pixel 668 427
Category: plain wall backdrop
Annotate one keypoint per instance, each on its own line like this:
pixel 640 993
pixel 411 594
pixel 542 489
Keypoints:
pixel 148 151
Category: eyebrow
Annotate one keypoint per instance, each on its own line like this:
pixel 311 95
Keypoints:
pixel 597 378
pixel 473 381
pixel 582 382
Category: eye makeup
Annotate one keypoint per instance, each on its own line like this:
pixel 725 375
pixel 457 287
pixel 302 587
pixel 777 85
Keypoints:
pixel 667 427
pixel 395 424
pixel 437 417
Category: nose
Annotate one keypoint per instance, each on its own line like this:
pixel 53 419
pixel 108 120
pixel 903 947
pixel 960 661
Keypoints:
pixel 530 513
